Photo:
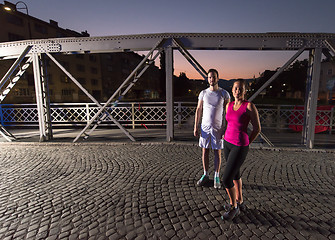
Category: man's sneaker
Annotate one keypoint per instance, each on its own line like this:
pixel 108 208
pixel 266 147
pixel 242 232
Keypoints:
pixel 241 206
pixel 203 180
pixel 217 183
pixel 231 213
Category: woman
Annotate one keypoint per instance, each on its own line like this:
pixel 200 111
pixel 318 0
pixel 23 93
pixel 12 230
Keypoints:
pixel 236 145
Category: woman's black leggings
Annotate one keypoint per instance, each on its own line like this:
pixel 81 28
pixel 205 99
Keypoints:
pixel 235 156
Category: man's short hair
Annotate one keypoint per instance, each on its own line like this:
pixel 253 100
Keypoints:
pixel 212 70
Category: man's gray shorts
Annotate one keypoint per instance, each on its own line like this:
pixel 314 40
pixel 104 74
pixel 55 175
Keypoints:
pixel 210 138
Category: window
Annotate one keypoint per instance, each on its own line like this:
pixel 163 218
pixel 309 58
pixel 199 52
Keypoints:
pixel 80 56
pixel 30 78
pixel 82 80
pixel 330 71
pixel 94 70
pixel 22 92
pixel 40 28
pixel 110 68
pixel 50 80
pixel 92 58
pixel 64 79
pixel 67 92
pixel 94 82
pixel 14 20
pixel 80 68
pixel 66 65
pixel 15 37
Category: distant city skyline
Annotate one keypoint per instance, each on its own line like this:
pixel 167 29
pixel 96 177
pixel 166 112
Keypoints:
pixel 107 18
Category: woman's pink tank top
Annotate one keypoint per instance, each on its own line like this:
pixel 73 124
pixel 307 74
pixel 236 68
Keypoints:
pixel 236 132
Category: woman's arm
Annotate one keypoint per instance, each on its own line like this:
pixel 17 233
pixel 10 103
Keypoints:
pixel 254 119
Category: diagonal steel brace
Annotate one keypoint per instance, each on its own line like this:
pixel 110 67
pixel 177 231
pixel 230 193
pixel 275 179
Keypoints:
pixel 102 108
pixel 87 93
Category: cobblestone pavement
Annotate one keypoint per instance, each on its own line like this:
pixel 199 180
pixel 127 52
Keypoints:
pixel 147 191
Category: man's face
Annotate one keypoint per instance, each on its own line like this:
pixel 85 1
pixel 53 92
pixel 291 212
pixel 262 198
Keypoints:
pixel 212 79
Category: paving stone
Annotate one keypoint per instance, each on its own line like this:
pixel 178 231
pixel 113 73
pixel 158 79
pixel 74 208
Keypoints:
pixel 83 191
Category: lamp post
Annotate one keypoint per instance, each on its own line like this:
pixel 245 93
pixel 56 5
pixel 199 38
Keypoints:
pixel 15 7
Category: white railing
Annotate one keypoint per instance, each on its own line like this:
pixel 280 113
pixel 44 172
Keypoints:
pixel 132 114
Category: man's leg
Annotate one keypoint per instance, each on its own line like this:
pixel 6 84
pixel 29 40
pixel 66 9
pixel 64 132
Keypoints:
pixel 217 160
pixel 217 164
pixel 205 159
pixel 205 163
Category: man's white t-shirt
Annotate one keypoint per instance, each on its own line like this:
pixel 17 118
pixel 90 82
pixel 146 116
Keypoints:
pixel 213 107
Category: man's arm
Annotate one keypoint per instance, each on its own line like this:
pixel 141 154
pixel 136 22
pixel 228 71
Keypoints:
pixel 197 118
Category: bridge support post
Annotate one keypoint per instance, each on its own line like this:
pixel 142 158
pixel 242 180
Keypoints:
pixel 312 92
pixel 169 94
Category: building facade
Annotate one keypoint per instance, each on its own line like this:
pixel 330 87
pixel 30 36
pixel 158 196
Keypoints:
pixel 99 74
pixel 327 81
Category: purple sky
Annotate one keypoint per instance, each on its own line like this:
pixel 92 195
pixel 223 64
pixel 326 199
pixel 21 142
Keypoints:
pixel 118 17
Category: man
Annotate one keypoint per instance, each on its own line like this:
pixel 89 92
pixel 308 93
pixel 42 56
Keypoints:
pixel 211 105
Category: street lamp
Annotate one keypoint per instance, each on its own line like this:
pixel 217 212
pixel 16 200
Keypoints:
pixel 13 7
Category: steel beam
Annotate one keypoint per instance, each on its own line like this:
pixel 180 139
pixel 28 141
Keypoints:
pixel 15 65
pixel 137 77
pixel 312 92
pixel 87 93
pixel 102 108
pixel 169 94
pixel 40 98
pixel 330 46
pixel 191 41
pixel 191 59
pixel 268 82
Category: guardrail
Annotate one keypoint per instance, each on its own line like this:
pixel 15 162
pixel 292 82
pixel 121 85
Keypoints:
pixel 134 114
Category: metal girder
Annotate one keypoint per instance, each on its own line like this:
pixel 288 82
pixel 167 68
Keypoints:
pixel 15 65
pixel 137 77
pixel 190 59
pixel 42 99
pixel 86 92
pixel 15 79
pixel 169 94
pixel 312 91
pixel 191 41
pixel 4 92
pixel 133 73
pixel 181 41
pixel 268 82
pixel 330 45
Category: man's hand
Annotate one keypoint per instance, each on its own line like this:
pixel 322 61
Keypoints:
pixel 196 131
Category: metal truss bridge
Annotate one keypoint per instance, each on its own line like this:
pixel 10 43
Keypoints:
pixel 30 52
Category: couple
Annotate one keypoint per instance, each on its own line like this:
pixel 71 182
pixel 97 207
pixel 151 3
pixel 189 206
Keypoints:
pixel 235 142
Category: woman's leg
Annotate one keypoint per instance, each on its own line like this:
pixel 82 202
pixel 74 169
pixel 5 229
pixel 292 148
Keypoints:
pixel 238 190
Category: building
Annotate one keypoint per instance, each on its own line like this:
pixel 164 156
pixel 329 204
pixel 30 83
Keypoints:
pixel 99 74
pixel 116 67
pixel 327 81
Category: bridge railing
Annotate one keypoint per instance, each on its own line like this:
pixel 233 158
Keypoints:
pixel 134 114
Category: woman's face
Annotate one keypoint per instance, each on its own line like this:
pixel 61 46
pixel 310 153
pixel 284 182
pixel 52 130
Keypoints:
pixel 238 91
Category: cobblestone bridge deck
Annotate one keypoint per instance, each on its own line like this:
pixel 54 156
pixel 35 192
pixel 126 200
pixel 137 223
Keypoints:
pixel 147 191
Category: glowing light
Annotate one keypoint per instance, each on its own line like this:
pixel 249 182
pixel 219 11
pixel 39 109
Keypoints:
pixel 7 8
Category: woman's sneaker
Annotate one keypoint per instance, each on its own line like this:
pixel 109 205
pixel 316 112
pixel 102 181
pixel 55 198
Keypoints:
pixel 231 213
pixel 241 206
pixel 217 183
pixel 203 180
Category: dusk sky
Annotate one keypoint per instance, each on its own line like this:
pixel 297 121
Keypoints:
pixel 123 17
